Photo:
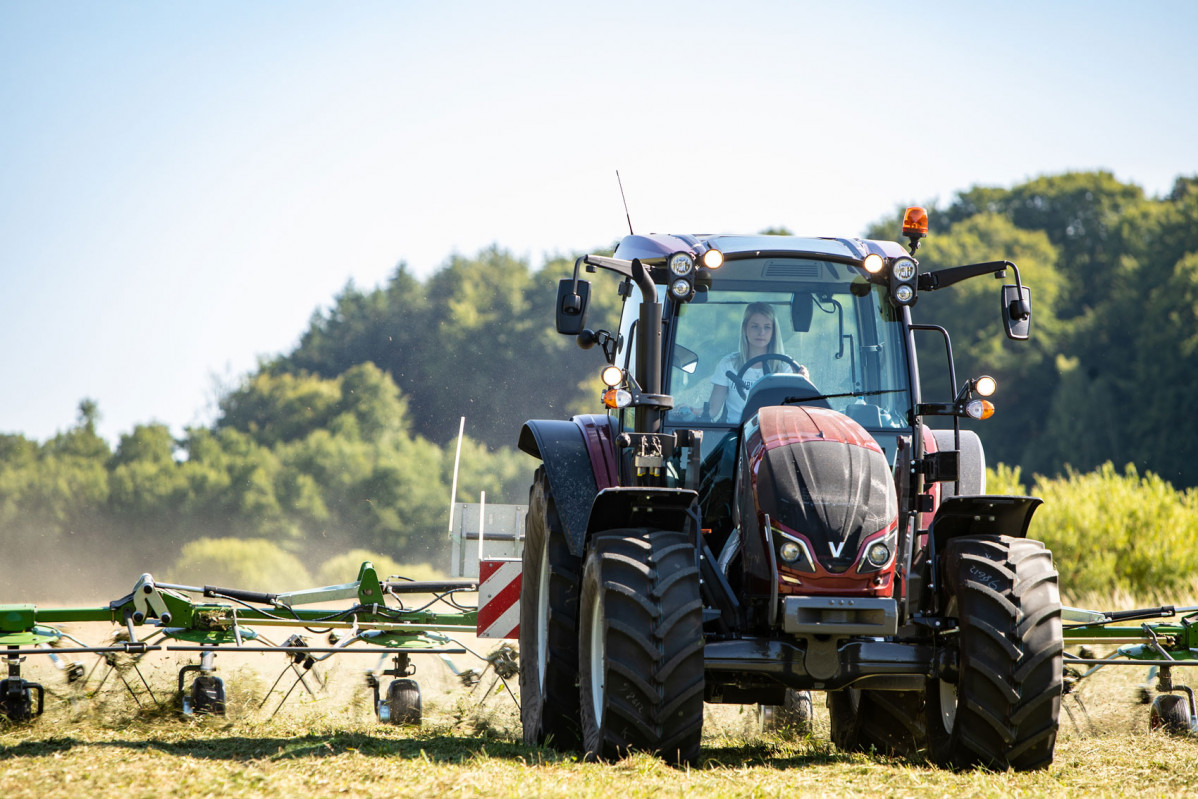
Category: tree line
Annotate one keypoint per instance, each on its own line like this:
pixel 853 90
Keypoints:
pixel 1112 360
pixel 347 441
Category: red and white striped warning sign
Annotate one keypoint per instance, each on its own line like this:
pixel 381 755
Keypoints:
pixel 499 598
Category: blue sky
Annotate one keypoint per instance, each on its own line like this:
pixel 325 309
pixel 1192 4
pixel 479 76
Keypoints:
pixel 183 184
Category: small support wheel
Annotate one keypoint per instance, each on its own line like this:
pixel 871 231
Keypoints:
pixel 207 696
pixel 16 700
pixel 1171 713
pixel 402 705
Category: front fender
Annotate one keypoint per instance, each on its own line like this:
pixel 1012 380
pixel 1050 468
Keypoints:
pixel 579 458
pixel 659 508
pixel 982 515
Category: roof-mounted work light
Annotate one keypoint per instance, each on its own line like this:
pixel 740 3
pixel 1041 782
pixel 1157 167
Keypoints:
pixel 682 276
pixel 713 259
pixel 904 273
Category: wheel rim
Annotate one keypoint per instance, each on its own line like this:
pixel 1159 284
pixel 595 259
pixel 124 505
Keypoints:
pixel 543 617
pixel 598 658
pixel 948 705
pixel 948 690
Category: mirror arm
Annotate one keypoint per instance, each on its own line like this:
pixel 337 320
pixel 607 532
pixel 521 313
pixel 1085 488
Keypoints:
pixel 617 265
pixel 633 270
pixel 943 278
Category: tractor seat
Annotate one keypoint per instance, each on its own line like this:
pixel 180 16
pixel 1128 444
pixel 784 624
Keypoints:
pixel 781 389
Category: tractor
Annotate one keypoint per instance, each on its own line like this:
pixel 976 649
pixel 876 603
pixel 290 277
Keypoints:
pixel 748 528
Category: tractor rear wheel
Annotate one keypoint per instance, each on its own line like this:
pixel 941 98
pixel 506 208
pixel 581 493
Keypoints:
pixel 1002 711
pixel 888 722
pixel 792 717
pixel 548 626
pixel 641 646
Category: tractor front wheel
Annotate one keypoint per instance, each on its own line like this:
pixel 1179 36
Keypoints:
pixel 1002 709
pixel 641 646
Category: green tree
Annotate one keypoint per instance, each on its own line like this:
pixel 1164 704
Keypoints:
pixel 970 311
pixel 475 340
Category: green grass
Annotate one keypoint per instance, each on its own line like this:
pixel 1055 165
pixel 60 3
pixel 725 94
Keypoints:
pixel 331 746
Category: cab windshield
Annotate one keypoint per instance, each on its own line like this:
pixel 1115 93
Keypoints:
pixel 825 323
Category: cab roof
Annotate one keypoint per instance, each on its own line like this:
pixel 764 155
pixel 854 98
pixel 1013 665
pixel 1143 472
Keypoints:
pixel 656 246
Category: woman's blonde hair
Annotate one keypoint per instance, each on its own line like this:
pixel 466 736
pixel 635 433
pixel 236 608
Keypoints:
pixel 775 345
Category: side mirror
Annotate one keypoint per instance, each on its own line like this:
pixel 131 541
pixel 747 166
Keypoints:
pixel 685 359
pixel 1017 311
pixel 801 309
pixel 572 307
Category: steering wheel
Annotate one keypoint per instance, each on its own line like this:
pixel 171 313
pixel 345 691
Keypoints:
pixel 738 378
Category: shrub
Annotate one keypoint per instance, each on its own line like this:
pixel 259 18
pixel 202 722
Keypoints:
pixel 344 568
pixel 253 564
pixel 1113 532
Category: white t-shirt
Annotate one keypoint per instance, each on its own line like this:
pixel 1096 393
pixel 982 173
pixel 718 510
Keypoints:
pixel 734 403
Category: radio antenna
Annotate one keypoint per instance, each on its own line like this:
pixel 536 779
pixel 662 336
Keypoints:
pixel 625 199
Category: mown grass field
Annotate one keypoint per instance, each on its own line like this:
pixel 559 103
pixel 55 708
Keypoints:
pixel 332 746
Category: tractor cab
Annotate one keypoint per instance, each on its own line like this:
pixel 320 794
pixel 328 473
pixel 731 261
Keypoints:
pixel 837 341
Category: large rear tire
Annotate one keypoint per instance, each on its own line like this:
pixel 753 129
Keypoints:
pixel 641 646
pixel 1003 709
pixel 792 717
pixel 888 722
pixel 548 626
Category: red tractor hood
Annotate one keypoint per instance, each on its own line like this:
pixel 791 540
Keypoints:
pixel 821 477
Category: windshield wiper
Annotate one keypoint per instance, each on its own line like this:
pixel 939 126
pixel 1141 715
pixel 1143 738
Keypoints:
pixel 848 394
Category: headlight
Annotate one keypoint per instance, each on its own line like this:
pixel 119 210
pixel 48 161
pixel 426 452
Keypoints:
pixel 713 259
pixel 873 263
pixel 793 553
pixel 612 376
pixel 879 553
pixel 903 274
pixel 682 264
pixel 681 288
pixel 904 269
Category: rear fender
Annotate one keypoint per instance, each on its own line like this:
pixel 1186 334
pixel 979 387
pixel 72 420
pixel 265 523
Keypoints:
pixel 579 458
pixel 972 462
